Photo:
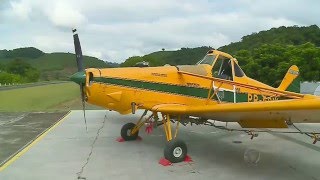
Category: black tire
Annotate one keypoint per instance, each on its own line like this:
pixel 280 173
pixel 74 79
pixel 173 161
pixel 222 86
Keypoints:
pixel 175 150
pixel 125 132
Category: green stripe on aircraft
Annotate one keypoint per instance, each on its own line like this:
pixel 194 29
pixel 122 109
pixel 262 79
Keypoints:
pixel 225 96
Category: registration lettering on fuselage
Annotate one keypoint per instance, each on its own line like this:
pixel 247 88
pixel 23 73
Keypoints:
pixel 193 84
pixel 256 98
pixel 159 74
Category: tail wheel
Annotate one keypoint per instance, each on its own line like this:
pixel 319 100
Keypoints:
pixel 175 150
pixel 126 132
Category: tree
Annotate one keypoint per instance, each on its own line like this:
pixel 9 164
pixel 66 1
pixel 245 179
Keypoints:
pixel 6 78
pixel 18 66
pixel 24 69
pixel 2 67
pixel 132 61
pixel 32 75
pixel 269 63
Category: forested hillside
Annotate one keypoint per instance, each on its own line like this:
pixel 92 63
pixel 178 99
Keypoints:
pixel 283 35
pixel 160 58
pixel 265 56
pixel 30 64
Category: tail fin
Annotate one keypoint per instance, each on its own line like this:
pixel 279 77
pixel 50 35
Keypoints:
pixel 292 74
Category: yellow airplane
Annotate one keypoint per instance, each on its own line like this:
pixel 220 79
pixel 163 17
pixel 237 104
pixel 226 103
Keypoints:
pixel 215 88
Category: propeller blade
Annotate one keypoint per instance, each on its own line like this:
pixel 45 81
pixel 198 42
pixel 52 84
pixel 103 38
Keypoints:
pixel 78 51
pixel 83 105
pixel 79 59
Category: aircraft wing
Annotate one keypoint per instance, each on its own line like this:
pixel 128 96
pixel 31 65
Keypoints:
pixel 270 114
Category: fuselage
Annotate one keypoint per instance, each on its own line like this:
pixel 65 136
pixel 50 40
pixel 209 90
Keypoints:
pixel 117 88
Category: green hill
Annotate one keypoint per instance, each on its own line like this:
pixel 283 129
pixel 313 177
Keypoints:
pixel 61 65
pixel 52 66
pixel 293 35
pixel 28 52
pixel 265 56
pixel 160 58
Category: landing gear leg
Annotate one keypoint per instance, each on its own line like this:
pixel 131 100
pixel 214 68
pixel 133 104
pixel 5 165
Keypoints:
pixel 130 131
pixel 176 149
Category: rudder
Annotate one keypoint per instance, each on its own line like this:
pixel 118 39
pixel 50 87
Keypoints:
pixel 292 74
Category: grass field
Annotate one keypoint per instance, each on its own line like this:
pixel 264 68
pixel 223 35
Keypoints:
pixel 55 97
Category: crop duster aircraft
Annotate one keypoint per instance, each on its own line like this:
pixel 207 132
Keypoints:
pixel 215 88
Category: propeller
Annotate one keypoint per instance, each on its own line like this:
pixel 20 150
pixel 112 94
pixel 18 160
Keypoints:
pixel 81 72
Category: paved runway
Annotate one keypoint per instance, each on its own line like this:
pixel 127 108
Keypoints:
pixel 69 152
pixel 18 129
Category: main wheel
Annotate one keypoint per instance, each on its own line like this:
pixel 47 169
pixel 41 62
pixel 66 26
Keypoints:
pixel 126 132
pixel 175 150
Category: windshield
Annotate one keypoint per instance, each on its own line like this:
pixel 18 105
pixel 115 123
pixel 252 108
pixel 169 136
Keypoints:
pixel 208 59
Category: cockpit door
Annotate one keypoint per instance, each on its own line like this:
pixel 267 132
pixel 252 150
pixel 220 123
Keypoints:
pixel 223 69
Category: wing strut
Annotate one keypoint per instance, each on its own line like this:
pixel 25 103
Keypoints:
pixel 265 89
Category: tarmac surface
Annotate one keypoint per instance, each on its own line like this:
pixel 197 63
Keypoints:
pixel 18 129
pixel 67 151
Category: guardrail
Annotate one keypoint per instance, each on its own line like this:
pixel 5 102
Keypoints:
pixel 8 86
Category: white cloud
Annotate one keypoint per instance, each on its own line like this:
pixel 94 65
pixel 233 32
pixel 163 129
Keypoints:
pixel 20 10
pixel 116 29
pixel 49 43
pixel 64 15
pixel 93 53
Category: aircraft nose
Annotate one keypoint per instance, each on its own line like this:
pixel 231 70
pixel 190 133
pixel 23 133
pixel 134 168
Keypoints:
pixel 79 77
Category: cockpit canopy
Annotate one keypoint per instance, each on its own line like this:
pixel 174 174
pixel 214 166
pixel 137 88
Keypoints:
pixel 223 65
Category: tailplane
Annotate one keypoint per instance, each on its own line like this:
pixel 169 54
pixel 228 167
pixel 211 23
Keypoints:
pixel 292 74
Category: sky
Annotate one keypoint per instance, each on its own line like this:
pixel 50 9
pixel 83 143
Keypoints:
pixel 114 30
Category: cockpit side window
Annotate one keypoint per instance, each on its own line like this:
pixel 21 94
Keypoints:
pixel 238 71
pixel 222 69
pixel 217 68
